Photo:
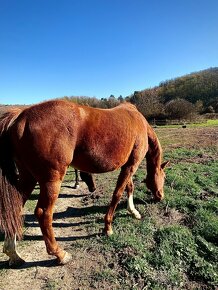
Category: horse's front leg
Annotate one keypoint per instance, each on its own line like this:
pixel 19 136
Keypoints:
pixel 9 249
pixel 122 182
pixel 44 212
pixel 130 205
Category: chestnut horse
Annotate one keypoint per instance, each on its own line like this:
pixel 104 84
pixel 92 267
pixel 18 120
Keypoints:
pixel 41 141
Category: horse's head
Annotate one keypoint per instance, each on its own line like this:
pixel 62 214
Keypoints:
pixel 155 182
pixel 88 179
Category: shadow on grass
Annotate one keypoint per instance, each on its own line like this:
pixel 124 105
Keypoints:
pixel 61 239
pixel 35 196
pixel 26 265
pixel 73 212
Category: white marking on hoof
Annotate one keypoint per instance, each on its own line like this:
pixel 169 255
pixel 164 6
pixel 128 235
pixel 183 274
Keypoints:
pixel 108 232
pixel 131 208
pixel 9 249
pixel 137 215
pixel 66 259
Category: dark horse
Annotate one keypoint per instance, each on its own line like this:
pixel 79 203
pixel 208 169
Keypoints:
pixel 87 178
pixel 41 141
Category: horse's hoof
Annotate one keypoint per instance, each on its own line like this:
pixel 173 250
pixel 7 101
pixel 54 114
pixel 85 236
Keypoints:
pixel 15 263
pixel 108 233
pixel 66 259
pixel 137 216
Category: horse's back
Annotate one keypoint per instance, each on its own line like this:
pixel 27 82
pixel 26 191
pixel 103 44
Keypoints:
pixel 57 133
pixel 107 138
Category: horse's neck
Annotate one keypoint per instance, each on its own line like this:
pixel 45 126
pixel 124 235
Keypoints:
pixel 154 154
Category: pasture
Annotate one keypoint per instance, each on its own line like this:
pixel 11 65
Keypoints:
pixel 174 246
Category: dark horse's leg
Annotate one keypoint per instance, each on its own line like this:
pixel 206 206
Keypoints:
pixel 26 184
pixel 44 212
pixel 89 180
pixel 76 179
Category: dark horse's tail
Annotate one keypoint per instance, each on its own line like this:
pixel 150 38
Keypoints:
pixel 11 200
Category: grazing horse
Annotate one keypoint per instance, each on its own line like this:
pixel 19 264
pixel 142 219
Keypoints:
pixel 41 141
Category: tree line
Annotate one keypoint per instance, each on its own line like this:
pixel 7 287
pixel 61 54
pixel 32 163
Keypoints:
pixel 180 98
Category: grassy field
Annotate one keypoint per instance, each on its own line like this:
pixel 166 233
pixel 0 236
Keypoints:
pixel 197 124
pixel 175 245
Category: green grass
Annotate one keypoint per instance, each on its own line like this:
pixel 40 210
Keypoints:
pixel 212 122
pixel 206 123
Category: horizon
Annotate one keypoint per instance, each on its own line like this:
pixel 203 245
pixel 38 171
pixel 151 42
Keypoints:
pixel 96 49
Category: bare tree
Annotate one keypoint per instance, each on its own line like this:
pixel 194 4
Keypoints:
pixel 148 102
pixel 180 109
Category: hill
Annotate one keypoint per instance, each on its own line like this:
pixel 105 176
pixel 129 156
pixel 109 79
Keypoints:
pixel 199 86
pixel 193 92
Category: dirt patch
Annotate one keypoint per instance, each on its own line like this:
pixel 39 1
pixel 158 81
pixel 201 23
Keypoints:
pixel 200 137
pixel 166 216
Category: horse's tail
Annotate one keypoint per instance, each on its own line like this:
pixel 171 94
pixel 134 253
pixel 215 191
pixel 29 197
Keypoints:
pixel 11 199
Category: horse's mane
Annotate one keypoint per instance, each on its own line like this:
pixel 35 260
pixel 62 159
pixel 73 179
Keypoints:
pixel 154 154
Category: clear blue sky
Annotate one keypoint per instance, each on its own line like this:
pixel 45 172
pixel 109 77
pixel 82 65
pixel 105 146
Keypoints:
pixel 55 48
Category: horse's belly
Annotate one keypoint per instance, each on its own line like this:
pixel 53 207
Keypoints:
pixel 98 163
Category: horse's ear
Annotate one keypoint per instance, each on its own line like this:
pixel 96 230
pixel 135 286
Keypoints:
pixel 163 165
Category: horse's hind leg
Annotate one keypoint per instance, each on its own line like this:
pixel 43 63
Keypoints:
pixel 130 205
pixel 26 184
pixel 44 212
pixel 9 249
